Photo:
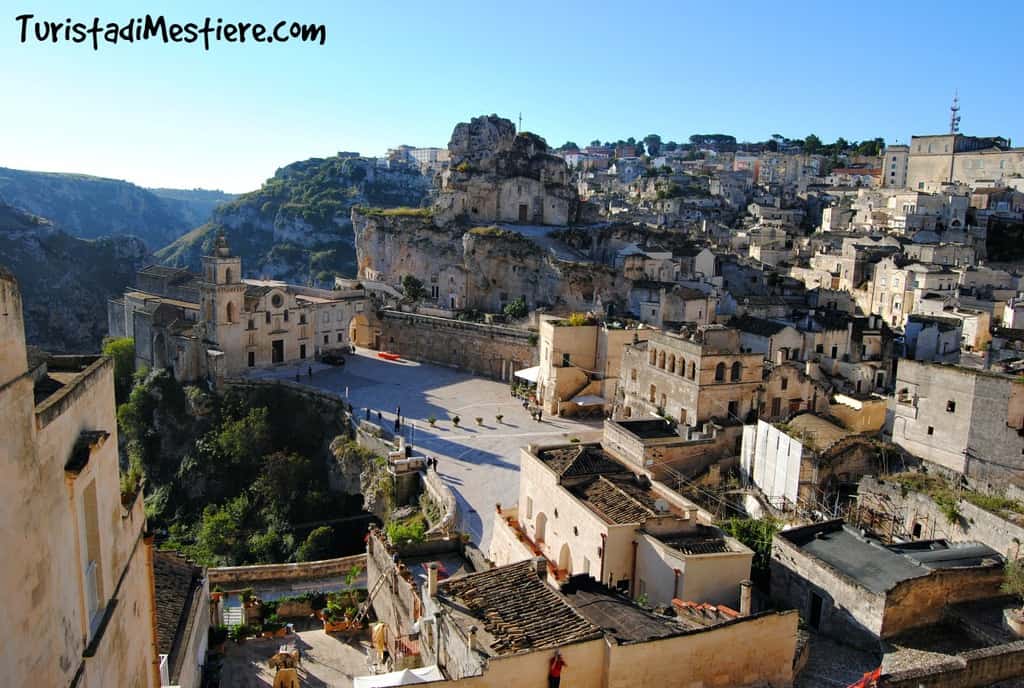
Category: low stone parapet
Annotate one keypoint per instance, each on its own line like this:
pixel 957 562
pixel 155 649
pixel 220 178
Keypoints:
pixel 325 568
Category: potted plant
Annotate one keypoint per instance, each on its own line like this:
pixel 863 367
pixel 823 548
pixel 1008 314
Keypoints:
pixel 432 420
pixel 1013 584
pixel 455 421
pixel 217 594
pixel 479 420
pixel 218 635
pixel 498 417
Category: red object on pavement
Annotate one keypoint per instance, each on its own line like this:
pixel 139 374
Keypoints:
pixel 388 356
pixel 870 679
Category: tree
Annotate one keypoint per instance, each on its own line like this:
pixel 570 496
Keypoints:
pixel 319 544
pixel 517 308
pixel 413 288
pixel 812 144
pixel 122 351
pixel 872 147
pixel 670 146
pixel 653 143
pixel 596 143
pixel 771 145
pixel 569 146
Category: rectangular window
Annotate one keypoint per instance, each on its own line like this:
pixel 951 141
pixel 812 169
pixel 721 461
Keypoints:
pixel 302 350
pixel 268 317
pixel 286 315
pixel 529 507
pixel 950 406
pixel 785 382
pixel 327 339
pixel 931 430
pixel 252 359
pixel 339 336
pixel 565 360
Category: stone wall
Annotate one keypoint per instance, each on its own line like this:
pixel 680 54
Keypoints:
pixel 972 669
pixel 306 570
pixel 490 350
pixel 918 510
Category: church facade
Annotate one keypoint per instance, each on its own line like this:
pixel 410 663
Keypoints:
pixel 217 324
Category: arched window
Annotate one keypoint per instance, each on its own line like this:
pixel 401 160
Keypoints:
pixel 230 312
pixel 654 357
pixel 737 370
pixel 720 372
pixel 227 276
pixel 661 360
pixel 693 370
pixel 671 363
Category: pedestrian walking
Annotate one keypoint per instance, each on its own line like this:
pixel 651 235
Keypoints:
pixel 555 669
pixel 310 371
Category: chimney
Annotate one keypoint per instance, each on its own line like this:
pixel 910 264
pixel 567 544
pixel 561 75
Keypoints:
pixel 432 579
pixel 745 593
pixel 541 564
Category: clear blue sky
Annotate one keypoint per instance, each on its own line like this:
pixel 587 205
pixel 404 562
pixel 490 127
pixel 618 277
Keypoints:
pixel 406 72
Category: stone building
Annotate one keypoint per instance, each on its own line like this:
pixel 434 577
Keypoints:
pixel 182 601
pixel 969 422
pixel 853 588
pixel 585 512
pixel 501 626
pixel 691 376
pixel 497 175
pixel 233 324
pixel 579 364
pixel 972 160
pixel 78 597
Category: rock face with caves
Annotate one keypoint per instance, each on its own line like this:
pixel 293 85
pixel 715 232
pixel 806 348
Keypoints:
pixel 485 240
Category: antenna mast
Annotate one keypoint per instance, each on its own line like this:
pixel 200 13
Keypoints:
pixel 954 114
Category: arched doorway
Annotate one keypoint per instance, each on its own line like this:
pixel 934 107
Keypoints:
pixel 565 560
pixel 159 351
pixel 359 332
pixel 541 528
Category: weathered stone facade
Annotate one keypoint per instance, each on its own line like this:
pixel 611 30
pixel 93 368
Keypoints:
pixel 691 377
pixel 79 602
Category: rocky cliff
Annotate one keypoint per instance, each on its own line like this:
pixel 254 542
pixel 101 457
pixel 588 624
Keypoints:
pixel 91 207
pixel 296 227
pixel 65 281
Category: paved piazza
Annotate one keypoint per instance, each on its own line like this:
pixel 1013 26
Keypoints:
pixel 479 463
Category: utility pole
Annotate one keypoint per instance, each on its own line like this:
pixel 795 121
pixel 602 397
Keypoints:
pixel 520 128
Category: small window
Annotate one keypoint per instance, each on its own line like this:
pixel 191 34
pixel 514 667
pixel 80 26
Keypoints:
pixel 327 339
pixel 286 315
pixel 529 507
pixel 785 382
pixel 556 513
pixel 931 430
pixel 632 374
pixel 252 324
pixel 950 406
pixel 575 531
pixel 339 336
pixel 267 314
pixel 565 360
pixel 252 359
pixel 302 350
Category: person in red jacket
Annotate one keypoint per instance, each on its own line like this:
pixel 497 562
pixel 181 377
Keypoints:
pixel 555 670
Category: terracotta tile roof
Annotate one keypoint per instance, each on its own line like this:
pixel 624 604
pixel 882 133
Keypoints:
pixel 705 540
pixel 619 501
pixel 517 609
pixel 580 460
pixel 177 582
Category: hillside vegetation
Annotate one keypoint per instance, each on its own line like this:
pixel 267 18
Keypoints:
pixel 65 281
pixel 89 207
pixel 296 226
pixel 241 478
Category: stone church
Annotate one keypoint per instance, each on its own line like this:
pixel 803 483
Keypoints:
pixel 216 324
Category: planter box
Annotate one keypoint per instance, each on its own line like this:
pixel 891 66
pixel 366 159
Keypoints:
pixel 293 609
pixel 340 626
pixel 279 633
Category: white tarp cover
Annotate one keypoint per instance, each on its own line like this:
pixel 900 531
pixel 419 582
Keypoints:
pixel 588 400
pixel 405 677
pixel 528 374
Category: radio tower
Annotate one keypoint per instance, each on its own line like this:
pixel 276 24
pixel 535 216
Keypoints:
pixel 954 114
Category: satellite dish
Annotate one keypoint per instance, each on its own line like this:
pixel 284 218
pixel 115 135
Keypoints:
pixel 660 505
